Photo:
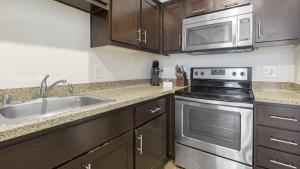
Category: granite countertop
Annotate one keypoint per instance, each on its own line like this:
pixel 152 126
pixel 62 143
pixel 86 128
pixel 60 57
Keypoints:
pixel 277 96
pixel 121 97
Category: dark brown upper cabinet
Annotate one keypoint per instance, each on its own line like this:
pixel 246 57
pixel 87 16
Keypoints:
pixel 197 7
pixel 224 4
pixel 277 22
pixel 172 26
pixel 90 6
pixel 130 23
pixel 125 22
pixel 150 25
pixel 150 144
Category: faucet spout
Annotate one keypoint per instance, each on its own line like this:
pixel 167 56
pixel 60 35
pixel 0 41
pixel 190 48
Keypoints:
pixel 44 90
pixel 56 83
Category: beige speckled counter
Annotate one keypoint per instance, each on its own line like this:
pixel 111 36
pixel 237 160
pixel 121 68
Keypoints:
pixel 121 97
pixel 277 96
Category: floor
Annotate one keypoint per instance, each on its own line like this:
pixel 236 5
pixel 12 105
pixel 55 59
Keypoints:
pixel 170 165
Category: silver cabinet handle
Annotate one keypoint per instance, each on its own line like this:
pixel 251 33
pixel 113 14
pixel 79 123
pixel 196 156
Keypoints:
pixel 154 110
pixel 199 11
pixel 139 35
pixel 89 166
pixel 283 164
pixel 140 149
pixel 231 4
pixel 283 141
pixel 284 118
pixel 145 37
pixel 259 29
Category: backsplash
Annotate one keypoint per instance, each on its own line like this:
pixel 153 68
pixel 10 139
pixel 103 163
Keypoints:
pixel 25 94
pixel 282 58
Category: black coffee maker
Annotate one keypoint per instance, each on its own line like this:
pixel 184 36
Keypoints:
pixel 155 73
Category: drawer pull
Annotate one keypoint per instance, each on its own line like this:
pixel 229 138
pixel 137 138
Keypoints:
pixel 283 141
pixel 199 11
pixel 284 118
pixel 156 109
pixel 283 164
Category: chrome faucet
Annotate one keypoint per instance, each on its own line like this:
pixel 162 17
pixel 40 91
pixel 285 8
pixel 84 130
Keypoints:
pixel 44 89
pixel 6 99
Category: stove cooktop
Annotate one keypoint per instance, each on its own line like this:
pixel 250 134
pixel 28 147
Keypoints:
pixel 220 94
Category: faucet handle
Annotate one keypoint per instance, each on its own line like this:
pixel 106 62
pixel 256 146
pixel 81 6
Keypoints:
pixel 6 99
pixel 70 89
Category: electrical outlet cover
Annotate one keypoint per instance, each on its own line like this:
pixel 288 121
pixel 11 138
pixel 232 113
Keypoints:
pixel 269 71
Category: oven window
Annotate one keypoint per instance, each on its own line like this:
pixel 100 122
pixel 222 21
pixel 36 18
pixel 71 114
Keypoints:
pixel 212 125
pixel 210 34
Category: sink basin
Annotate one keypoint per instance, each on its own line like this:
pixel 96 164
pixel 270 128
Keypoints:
pixel 40 108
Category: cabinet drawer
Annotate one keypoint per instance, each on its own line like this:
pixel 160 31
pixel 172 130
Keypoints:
pixel 276 160
pixel 279 117
pixel 56 148
pixel 149 110
pixel 279 139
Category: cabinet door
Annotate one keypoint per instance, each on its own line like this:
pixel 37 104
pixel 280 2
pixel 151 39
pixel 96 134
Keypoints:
pixel 116 154
pixel 125 21
pixel 224 4
pixel 197 7
pixel 277 20
pixel 172 25
pixel 150 25
pixel 150 143
pixel 75 164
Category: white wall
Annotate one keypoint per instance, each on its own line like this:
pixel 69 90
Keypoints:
pixel 39 37
pixel 297 64
pixel 281 57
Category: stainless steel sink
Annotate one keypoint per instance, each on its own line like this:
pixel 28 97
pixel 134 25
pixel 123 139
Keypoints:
pixel 45 107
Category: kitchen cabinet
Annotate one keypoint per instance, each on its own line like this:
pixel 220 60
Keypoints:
pixel 277 135
pixel 117 154
pixel 96 142
pixel 90 6
pixel 150 26
pixel 197 7
pixel 132 24
pixel 277 22
pixel 125 23
pixel 150 144
pixel 224 4
pixel 172 26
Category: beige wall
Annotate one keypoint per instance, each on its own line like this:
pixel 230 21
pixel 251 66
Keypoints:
pixel 297 64
pixel 46 37
pixel 283 58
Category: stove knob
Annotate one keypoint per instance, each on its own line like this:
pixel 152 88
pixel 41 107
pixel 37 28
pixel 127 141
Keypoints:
pixel 233 73
pixel 242 74
pixel 202 73
pixel 196 73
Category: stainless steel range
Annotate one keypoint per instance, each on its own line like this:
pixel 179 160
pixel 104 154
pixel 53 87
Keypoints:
pixel 214 120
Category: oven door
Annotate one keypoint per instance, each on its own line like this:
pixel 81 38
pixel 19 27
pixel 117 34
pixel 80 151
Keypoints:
pixel 214 34
pixel 221 128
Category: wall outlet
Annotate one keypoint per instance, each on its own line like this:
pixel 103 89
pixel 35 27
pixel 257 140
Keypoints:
pixel 99 73
pixel 269 71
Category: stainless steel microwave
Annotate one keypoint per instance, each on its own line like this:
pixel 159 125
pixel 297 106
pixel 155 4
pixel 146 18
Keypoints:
pixel 228 29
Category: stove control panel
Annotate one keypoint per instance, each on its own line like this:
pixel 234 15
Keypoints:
pixel 220 73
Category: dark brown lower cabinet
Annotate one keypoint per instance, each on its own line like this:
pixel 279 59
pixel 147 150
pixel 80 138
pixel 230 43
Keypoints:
pixel 117 154
pixel 150 144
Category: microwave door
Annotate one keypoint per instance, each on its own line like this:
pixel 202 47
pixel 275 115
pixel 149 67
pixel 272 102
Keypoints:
pixel 214 34
pixel 245 30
